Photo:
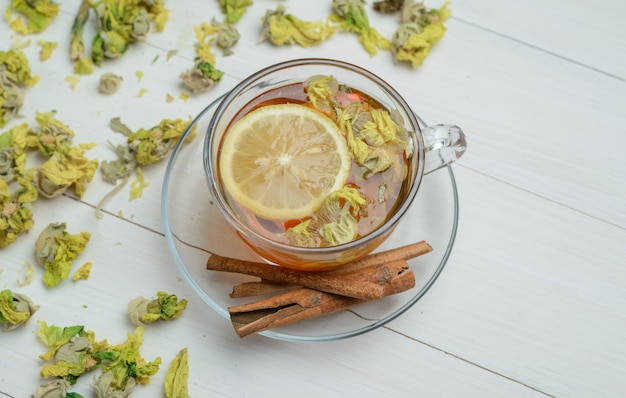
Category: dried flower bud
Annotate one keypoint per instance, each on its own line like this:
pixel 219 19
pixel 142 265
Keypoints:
pixel 15 309
pixel 227 37
pixel 109 83
pixel 54 389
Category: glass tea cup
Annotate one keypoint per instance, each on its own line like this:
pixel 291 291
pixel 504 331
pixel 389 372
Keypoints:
pixel 429 149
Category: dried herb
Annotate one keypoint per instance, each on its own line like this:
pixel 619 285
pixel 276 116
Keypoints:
pixel 109 83
pixel 14 76
pixel 16 215
pixel 165 307
pixel 282 28
pixel 388 6
pixel 37 15
pixel 176 381
pixel 82 63
pixel 352 17
pixel 55 389
pixel 56 249
pixel 420 30
pixel 47 47
pixel 61 172
pixel 204 74
pixel 15 309
pixel 13 147
pixel 234 9
pixel 227 36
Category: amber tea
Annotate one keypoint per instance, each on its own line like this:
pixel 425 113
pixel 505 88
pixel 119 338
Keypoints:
pixel 314 164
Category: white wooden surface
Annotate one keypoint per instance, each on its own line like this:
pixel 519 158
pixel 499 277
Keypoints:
pixel 532 302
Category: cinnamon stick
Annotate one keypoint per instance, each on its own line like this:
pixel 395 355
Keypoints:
pixel 301 304
pixel 259 288
pixel 365 283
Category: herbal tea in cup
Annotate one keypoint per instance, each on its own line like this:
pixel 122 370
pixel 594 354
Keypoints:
pixel 314 161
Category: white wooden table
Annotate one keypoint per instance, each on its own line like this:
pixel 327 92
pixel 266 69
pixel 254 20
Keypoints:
pixel 532 302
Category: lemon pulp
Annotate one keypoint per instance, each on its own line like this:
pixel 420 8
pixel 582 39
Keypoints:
pixel 281 161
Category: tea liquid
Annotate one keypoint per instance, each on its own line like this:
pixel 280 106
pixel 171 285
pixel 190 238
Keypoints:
pixel 383 190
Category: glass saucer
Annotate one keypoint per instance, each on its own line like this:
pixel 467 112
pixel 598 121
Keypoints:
pixel 194 228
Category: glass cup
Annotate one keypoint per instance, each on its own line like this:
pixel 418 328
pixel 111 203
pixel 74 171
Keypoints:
pixel 429 149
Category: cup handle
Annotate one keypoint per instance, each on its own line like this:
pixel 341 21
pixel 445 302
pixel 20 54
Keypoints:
pixel 443 144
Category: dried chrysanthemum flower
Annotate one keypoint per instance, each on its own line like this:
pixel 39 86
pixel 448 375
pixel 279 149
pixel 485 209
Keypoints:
pixel 13 146
pixel 176 383
pixel 420 30
pixel 234 9
pixel 104 388
pixel 61 172
pixel 109 83
pixel 352 17
pixel 55 250
pixel 283 28
pixel 14 76
pixel 201 77
pixel 227 36
pixel 53 137
pixel 165 307
pixel 16 215
pixel 15 309
pixel 121 23
pixel 37 13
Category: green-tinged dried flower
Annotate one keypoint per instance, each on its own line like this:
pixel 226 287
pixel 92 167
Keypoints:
pixel 125 362
pixel 352 17
pixel 388 6
pixel 165 307
pixel 83 272
pixel 14 76
pixel 227 36
pixel 61 172
pixel 54 136
pixel 16 215
pixel 335 223
pixel 71 360
pixel 201 77
pixel 54 337
pixel 53 389
pixel 121 23
pixel 37 13
pixel 15 309
pixel 55 250
pixel 104 389
pixel 234 9
pixel 13 147
pixel 421 29
pixel 109 83
pixel 155 144
pixel 47 47
pixel 29 275
pixel 282 28
pixel 176 380
pixel 123 166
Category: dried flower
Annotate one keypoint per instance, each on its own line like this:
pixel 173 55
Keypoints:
pixel 15 309
pixel 54 136
pixel 165 307
pixel 176 381
pixel 53 389
pixel 234 9
pixel 14 76
pixel 16 215
pixel 109 83
pixel 61 172
pixel 204 74
pixel 227 36
pixel 13 146
pixel 352 17
pixel 282 28
pixel 55 250
pixel 37 13
pixel 420 30
pixel 104 388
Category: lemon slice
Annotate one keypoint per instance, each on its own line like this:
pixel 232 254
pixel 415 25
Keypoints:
pixel 281 161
